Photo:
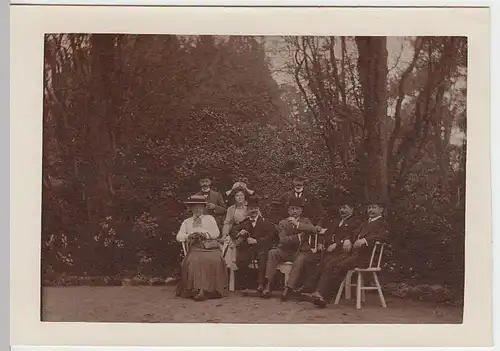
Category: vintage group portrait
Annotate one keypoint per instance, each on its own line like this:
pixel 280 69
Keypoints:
pixel 218 174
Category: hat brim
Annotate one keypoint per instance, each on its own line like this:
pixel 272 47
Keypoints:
pixel 194 203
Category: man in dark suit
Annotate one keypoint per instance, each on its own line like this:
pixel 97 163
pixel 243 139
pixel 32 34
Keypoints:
pixel 331 245
pixel 254 237
pixel 356 253
pixel 215 202
pixel 293 246
pixel 312 206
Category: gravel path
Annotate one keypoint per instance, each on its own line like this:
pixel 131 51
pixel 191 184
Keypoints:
pixel 159 305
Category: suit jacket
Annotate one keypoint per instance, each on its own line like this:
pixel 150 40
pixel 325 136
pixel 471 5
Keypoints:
pixel 334 231
pixel 372 232
pixel 289 236
pixel 264 232
pixel 312 206
pixel 214 197
pixel 337 233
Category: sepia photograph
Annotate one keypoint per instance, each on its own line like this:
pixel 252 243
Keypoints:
pixel 254 179
pixel 273 181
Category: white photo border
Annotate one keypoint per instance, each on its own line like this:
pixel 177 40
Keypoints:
pixel 28 25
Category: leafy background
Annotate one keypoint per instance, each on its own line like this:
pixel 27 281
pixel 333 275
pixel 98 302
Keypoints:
pixel 131 120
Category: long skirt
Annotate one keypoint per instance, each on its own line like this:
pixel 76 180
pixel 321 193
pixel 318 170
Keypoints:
pixel 205 270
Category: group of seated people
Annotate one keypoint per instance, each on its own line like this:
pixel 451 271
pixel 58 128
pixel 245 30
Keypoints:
pixel 318 267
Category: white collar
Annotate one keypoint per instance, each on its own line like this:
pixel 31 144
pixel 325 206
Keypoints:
pixel 342 220
pixel 374 219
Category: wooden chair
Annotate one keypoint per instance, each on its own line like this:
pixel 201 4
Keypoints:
pixel 286 267
pixel 184 248
pixel 346 284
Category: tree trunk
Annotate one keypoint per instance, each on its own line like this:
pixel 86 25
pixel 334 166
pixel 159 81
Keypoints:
pixel 372 68
pixel 99 127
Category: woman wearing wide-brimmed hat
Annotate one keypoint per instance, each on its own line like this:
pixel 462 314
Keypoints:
pixel 203 272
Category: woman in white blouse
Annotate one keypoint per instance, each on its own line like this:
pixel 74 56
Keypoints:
pixel 203 272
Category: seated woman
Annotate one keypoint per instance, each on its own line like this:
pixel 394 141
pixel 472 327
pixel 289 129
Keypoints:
pixel 203 273
pixel 236 213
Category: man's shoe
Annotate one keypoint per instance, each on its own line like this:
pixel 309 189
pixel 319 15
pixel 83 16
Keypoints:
pixel 305 297
pixel 318 301
pixel 285 295
pixel 266 293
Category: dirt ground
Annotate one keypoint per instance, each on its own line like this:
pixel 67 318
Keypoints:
pixel 159 305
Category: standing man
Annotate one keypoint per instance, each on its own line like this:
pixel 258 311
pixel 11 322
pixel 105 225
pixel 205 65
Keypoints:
pixel 312 206
pixel 215 202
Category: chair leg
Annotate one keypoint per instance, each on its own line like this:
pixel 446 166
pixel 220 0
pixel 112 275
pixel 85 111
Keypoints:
pixel 358 291
pixel 379 290
pixel 363 291
pixel 231 280
pixel 340 291
pixel 287 274
pixel 348 285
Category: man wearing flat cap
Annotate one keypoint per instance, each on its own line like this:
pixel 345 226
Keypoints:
pixel 293 246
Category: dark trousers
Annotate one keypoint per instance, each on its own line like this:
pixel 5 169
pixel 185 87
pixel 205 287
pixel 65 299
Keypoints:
pixel 333 271
pixel 313 269
pixel 245 267
pixel 278 256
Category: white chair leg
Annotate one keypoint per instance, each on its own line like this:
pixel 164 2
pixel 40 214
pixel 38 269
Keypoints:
pixel 379 290
pixel 358 291
pixel 287 275
pixel 363 291
pixel 231 280
pixel 340 291
pixel 348 285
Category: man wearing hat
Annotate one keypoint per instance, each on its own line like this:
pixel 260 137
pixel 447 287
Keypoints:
pixel 356 252
pixel 215 202
pixel 337 231
pixel 254 237
pixel 293 246
pixel 312 206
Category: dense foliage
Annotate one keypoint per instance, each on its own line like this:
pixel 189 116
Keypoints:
pixel 130 121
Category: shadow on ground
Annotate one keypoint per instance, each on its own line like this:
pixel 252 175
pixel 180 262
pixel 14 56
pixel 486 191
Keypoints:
pixel 159 305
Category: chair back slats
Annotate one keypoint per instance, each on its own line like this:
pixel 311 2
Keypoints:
pixel 380 247
pixel 314 247
pixel 185 247
pixel 380 255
